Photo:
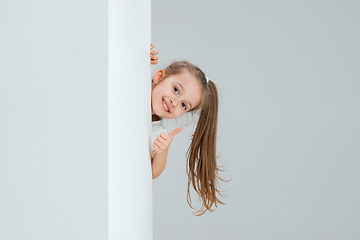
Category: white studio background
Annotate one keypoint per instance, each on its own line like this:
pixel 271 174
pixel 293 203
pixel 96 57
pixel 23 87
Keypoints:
pixel 289 129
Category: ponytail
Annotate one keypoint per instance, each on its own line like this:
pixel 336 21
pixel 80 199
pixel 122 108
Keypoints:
pixel 202 169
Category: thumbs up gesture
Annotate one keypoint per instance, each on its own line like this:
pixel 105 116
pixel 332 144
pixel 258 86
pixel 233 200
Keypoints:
pixel 163 141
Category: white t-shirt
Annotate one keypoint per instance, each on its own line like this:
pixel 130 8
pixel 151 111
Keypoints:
pixel 157 128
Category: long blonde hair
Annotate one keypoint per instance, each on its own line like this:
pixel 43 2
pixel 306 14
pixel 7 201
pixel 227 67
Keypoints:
pixel 202 168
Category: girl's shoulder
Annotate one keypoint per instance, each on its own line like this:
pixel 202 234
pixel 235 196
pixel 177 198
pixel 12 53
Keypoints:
pixel 157 125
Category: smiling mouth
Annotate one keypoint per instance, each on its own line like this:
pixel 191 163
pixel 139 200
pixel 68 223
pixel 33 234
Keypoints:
pixel 165 106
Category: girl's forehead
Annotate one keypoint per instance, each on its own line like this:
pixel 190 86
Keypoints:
pixel 186 78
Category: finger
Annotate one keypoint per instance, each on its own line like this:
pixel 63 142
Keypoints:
pixel 154 58
pixel 163 143
pixel 156 147
pixel 159 139
pixel 153 62
pixel 164 136
pixel 152 46
pixel 175 131
pixel 154 52
pixel 161 146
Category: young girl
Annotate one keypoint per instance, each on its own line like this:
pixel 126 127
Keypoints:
pixel 178 89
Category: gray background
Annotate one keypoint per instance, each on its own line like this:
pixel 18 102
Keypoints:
pixel 53 120
pixel 289 130
pixel 288 125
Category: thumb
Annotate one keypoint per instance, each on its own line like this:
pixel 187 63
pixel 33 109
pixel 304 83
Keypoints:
pixel 175 131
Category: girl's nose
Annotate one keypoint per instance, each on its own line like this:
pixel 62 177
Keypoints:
pixel 172 102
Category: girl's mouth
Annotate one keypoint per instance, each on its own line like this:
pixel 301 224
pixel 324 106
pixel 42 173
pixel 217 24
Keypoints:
pixel 165 106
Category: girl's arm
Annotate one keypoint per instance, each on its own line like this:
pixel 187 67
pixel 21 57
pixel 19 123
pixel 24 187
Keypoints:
pixel 161 147
pixel 158 163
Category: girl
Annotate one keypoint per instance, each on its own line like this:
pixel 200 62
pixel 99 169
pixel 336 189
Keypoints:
pixel 178 89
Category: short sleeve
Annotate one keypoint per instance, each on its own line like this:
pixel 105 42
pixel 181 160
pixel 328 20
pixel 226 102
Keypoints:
pixel 157 129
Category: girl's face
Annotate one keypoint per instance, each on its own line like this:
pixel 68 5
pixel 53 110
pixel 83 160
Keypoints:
pixel 175 95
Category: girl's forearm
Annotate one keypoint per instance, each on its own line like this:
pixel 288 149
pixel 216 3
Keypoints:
pixel 158 163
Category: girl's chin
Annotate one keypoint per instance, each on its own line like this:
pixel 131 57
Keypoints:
pixel 167 117
pixel 155 113
pixel 161 113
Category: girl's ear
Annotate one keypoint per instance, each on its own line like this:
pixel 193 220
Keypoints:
pixel 158 76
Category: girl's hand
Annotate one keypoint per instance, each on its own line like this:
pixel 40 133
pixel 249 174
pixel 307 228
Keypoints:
pixel 163 141
pixel 153 53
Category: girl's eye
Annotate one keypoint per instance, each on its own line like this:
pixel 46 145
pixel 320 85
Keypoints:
pixel 176 90
pixel 183 105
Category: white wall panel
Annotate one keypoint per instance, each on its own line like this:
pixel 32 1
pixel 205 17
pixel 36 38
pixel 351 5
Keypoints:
pixel 130 178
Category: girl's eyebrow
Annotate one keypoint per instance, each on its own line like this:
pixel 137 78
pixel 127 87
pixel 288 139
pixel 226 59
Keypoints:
pixel 181 86
pixel 184 91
